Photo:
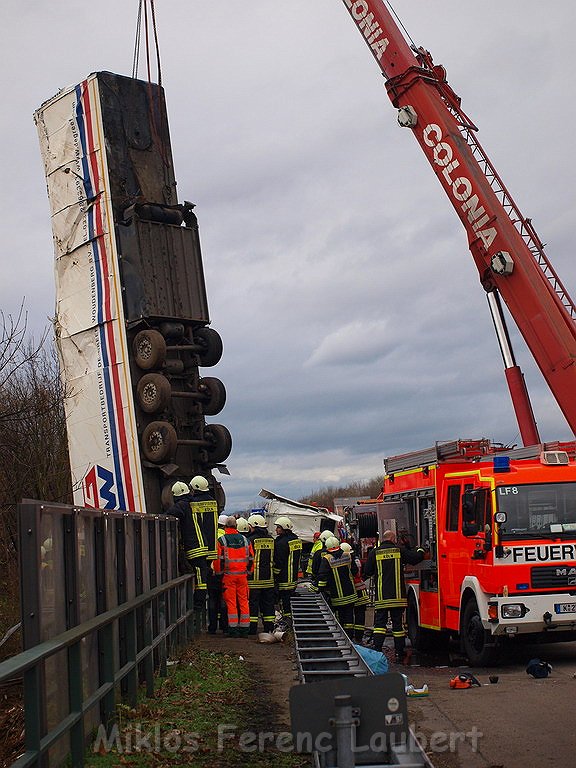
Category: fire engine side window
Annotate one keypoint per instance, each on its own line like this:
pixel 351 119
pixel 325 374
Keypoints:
pixel 452 507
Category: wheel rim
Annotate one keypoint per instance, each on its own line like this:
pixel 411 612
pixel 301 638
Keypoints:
pixel 475 633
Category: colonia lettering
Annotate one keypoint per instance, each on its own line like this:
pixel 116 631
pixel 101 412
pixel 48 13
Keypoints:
pixel 461 187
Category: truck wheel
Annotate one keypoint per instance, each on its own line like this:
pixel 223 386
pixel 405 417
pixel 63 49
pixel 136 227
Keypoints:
pixel 420 638
pixel 215 393
pixel 149 349
pixel 220 442
pixel 159 441
pixel 153 392
pixel 211 343
pixel 478 644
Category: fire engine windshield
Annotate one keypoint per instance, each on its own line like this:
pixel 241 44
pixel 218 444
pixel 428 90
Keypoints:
pixel 537 510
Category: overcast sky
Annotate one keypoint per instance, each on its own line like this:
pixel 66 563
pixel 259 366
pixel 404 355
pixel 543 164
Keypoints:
pixel 338 274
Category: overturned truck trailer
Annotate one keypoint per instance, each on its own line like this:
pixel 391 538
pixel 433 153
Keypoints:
pixel 132 322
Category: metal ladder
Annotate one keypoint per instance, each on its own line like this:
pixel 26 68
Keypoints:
pixel 342 699
pixel 323 649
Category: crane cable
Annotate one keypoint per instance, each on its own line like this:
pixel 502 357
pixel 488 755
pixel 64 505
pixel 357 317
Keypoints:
pixel 155 119
pixel 143 5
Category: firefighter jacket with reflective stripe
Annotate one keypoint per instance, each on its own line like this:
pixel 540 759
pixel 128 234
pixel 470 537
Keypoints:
pixel 318 544
pixel 287 551
pixel 262 576
pixel 234 554
pixel 362 597
pixel 205 508
pixel 317 559
pixel 190 527
pixel 336 576
pixel 386 564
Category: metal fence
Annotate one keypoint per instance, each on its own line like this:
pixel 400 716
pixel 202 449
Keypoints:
pixel 102 606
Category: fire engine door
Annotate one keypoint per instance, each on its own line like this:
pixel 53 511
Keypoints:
pixel 459 538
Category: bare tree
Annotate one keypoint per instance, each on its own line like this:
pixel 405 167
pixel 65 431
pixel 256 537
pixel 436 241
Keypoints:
pixel 33 442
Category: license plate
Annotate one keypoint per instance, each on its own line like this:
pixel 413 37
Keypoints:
pixel 565 607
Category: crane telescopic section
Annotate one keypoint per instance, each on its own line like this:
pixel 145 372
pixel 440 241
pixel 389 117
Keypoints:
pixel 507 251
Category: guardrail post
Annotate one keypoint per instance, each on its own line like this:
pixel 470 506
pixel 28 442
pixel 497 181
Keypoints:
pixel 75 697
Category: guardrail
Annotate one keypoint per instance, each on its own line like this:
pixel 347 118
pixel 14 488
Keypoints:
pixel 173 599
pixel 102 608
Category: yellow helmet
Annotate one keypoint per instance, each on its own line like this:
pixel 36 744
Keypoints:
pixel 180 489
pixel 199 483
pixel 257 521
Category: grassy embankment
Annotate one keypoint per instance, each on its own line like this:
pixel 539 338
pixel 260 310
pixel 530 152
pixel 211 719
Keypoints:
pixel 205 691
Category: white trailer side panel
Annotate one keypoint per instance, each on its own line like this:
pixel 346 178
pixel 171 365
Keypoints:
pixel 89 322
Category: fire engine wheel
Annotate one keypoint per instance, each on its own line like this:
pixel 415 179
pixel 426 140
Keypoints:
pixel 219 442
pixel 159 441
pixel 153 392
pixel 215 393
pixel 211 344
pixel 477 643
pixel 149 349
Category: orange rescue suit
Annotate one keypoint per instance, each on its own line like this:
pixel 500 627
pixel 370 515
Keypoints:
pixel 234 561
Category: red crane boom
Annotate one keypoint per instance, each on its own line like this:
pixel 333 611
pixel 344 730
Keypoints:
pixel 507 251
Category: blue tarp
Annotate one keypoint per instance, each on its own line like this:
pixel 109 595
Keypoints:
pixel 376 660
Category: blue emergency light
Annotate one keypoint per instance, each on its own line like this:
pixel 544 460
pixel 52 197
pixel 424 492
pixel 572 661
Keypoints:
pixel 501 464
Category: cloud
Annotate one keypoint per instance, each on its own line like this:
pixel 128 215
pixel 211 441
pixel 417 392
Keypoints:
pixel 338 274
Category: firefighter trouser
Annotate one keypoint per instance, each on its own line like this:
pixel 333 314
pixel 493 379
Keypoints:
pixel 284 596
pixel 261 604
pixel 359 621
pixel 345 616
pixel 398 631
pixel 235 593
pixel 200 570
pixel 217 614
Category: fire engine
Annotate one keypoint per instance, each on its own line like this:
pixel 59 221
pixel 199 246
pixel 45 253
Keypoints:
pixel 500 524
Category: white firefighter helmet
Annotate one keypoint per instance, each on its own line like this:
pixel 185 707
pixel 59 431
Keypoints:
pixel 332 543
pixel 199 483
pixel 284 522
pixel 242 525
pixel 345 547
pixel 222 518
pixel 257 521
pixel 180 489
pixel 325 535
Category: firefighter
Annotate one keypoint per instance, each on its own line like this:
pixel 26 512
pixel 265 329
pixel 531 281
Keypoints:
pixel 317 556
pixel 362 598
pixel 205 506
pixel 216 605
pixel 385 564
pixel 287 552
pixel 261 580
pixel 195 549
pixel 234 562
pixel 336 579
pixel 316 545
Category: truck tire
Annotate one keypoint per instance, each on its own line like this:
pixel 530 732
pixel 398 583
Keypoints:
pixel 215 393
pixel 420 638
pixel 153 392
pixel 430 641
pixel 220 442
pixel 211 343
pixel 159 441
pixel 481 648
pixel 149 349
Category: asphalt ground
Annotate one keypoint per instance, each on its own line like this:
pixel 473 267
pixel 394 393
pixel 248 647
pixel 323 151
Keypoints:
pixel 518 722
